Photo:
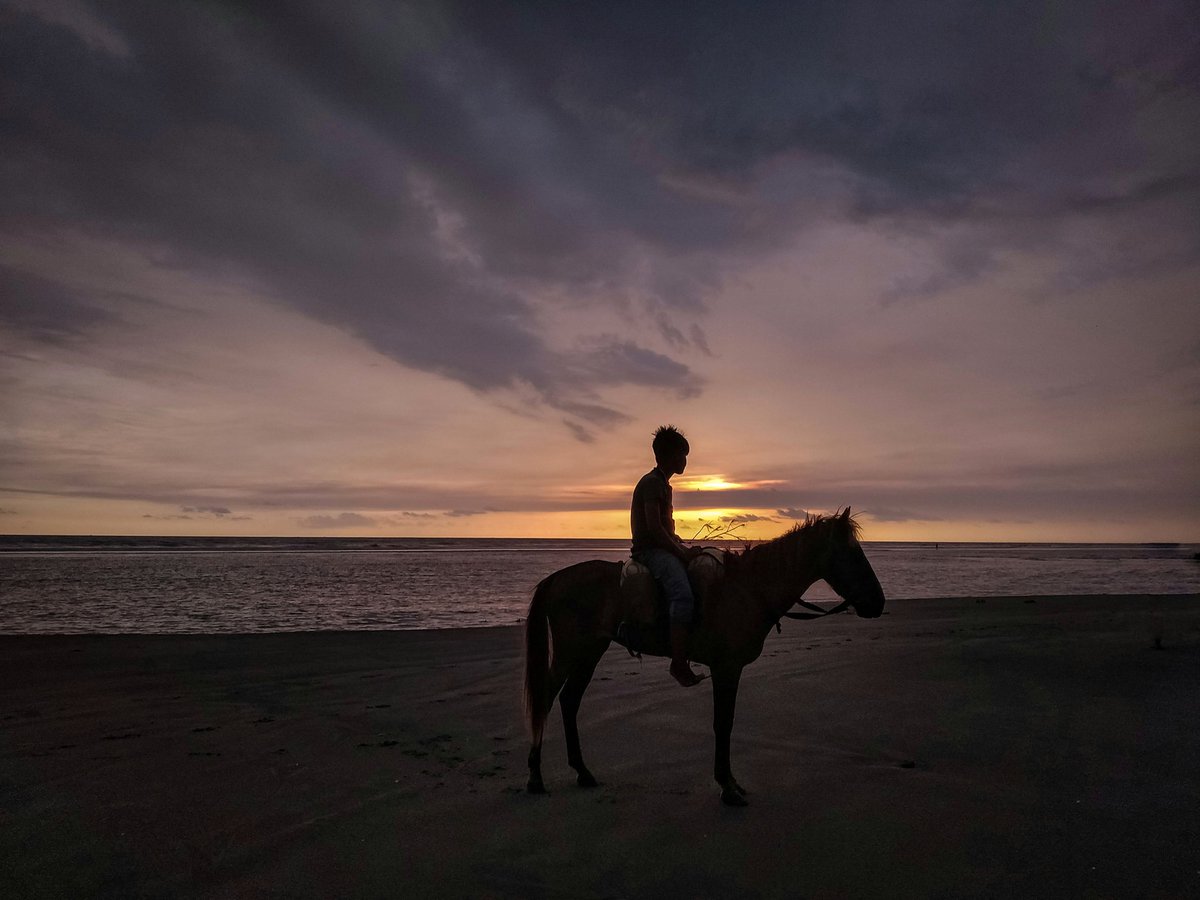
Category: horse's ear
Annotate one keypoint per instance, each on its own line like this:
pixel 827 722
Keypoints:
pixel 846 514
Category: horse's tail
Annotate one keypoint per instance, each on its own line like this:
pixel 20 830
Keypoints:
pixel 537 661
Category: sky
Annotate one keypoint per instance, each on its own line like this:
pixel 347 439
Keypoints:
pixel 379 268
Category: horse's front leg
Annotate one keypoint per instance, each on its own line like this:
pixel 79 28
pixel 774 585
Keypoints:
pixel 725 687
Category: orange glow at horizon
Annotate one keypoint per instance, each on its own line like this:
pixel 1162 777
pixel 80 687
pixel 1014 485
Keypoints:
pixel 62 516
pixel 718 483
pixel 707 483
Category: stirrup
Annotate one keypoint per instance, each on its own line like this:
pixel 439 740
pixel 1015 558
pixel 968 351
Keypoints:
pixel 623 639
pixel 697 677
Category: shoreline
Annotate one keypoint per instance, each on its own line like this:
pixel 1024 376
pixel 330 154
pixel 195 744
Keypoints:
pixel 998 746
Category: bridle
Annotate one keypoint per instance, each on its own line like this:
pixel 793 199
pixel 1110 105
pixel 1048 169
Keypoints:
pixel 818 612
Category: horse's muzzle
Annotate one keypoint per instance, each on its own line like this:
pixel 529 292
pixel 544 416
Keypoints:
pixel 872 608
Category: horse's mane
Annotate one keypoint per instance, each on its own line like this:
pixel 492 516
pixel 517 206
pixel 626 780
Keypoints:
pixel 812 527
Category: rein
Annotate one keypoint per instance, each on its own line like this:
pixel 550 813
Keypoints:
pixel 821 612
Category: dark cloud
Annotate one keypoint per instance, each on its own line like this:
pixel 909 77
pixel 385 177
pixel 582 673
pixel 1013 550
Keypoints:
pixel 237 141
pixel 71 479
pixel 428 176
pixel 896 514
pixel 341 520
pixel 610 360
pixel 793 512
pixel 583 435
pixel 45 310
pixel 962 261
pixel 189 513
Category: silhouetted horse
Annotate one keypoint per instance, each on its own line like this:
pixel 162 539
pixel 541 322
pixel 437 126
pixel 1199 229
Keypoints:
pixel 580 603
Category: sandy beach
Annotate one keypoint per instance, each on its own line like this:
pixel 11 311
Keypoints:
pixel 1007 747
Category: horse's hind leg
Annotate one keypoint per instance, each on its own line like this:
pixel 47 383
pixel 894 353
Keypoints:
pixel 536 785
pixel 572 694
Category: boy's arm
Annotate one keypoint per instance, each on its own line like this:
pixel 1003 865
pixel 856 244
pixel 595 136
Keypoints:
pixel 659 534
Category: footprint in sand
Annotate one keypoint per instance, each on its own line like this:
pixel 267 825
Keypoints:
pixel 121 737
pixel 436 739
pixel 380 706
pixel 204 728
pixel 263 719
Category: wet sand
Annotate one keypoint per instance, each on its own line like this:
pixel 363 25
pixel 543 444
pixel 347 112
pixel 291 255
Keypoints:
pixel 1008 747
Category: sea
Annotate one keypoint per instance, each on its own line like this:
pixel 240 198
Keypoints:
pixel 172 585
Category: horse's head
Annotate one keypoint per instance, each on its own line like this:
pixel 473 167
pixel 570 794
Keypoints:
pixel 848 571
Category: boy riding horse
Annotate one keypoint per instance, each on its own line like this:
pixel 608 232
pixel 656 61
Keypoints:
pixel 658 548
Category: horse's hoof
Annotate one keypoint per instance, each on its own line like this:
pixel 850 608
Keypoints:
pixel 731 797
pixel 535 787
pixel 587 780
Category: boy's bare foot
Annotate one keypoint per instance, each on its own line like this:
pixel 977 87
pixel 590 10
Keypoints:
pixel 683 673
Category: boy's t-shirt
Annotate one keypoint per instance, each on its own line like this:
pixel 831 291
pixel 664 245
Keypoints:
pixel 653 486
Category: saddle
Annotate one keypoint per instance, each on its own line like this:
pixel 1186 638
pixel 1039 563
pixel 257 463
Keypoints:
pixel 642 608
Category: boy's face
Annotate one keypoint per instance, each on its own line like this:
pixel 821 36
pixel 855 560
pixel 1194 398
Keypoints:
pixel 676 462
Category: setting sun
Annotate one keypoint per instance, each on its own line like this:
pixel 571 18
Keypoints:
pixel 708 483
pixel 719 483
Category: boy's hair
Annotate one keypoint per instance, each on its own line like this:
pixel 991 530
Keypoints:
pixel 667 440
